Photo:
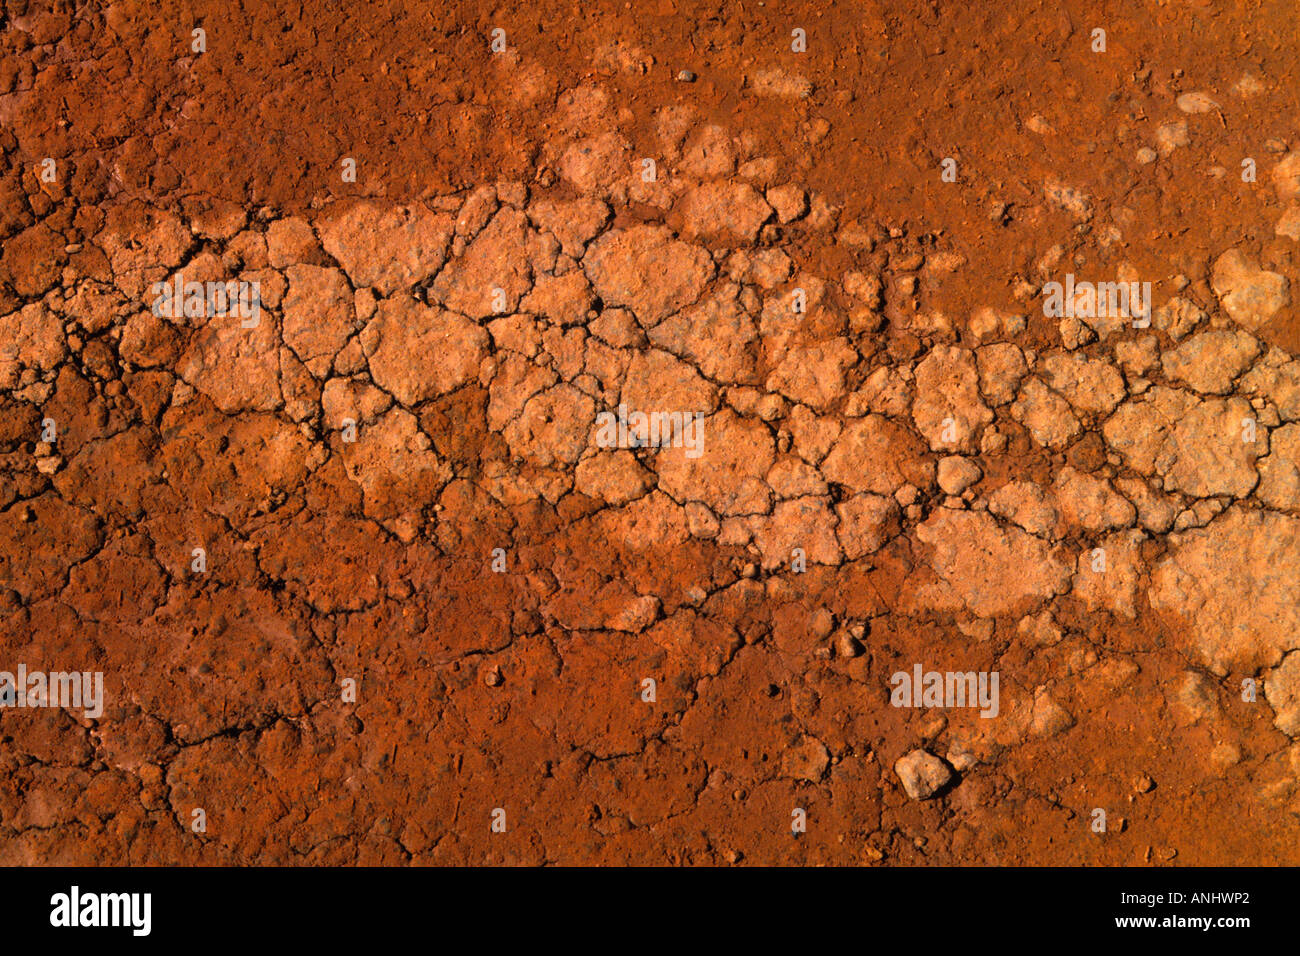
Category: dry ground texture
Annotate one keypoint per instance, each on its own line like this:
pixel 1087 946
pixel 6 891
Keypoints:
pixel 366 583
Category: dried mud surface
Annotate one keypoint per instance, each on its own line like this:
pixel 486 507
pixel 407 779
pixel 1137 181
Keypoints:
pixel 880 389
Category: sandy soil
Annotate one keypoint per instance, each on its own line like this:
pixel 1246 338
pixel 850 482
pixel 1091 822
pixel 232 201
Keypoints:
pixel 369 578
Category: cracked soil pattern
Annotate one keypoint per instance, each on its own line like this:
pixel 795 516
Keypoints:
pixel 397 480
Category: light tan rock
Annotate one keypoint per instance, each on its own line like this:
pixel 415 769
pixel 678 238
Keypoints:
pixel 866 522
pixel 353 399
pixel 727 210
pixel 1279 383
pixel 956 474
pixel 1048 718
pixel 989 570
pixel 1279 473
pixel 1048 417
pixel 1028 506
pixel 1170 136
pixel 806 523
pixel 657 381
pixel 922 774
pixel 789 201
pixel 227 363
pixel 418 352
pixel 812 435
pixel 613 476
pixel 792 477
pixel 1137 356
pixel 1212 361
pixel 1091 386
pixel 1289 225
pixel 386 246
pixel 594 164
pixel 1250 295
pixel 1233 581
pixel 1155 511
pixel 1196 103
pixel 1072 200
pixel 813 375
pixel 729 475
pixel 573 223
pixel 397 470
pixel 1090 503
pixel 291 241
pixel 778 83
pixel 648 271
pixel 877 455
pixel 1282 691
pixel 1286 177
pixel 516 381
pixel 31 338
pixel 496 269
pixel 709 154
pixel 715 335
pixel 563 299
pixel 1116 587
pixel 318 315
pixel 948 409
pixel 1177 317
pixel 554 427
pixel 1198 447
pixel 1001 369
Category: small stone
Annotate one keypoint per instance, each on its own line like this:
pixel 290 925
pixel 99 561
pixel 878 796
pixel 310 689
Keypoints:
pixel 1286 177
pixel 1171 136
pixel 1048 718
pixel 822 623
pixel 686 76
pixel 956 474
pixel 846 645
pixel 789 201
pixel 923 774
pixel 1196 103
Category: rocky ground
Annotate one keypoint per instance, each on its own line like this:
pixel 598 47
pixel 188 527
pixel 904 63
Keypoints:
pixel 429 598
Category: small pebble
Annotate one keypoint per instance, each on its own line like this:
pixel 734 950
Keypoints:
pixel 1196 103
pixel 846 645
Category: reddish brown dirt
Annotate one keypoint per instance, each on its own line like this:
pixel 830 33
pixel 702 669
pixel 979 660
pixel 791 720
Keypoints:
pixel 778 173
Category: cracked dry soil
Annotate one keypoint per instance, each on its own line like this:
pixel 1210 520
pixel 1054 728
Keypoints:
pixel 396 476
